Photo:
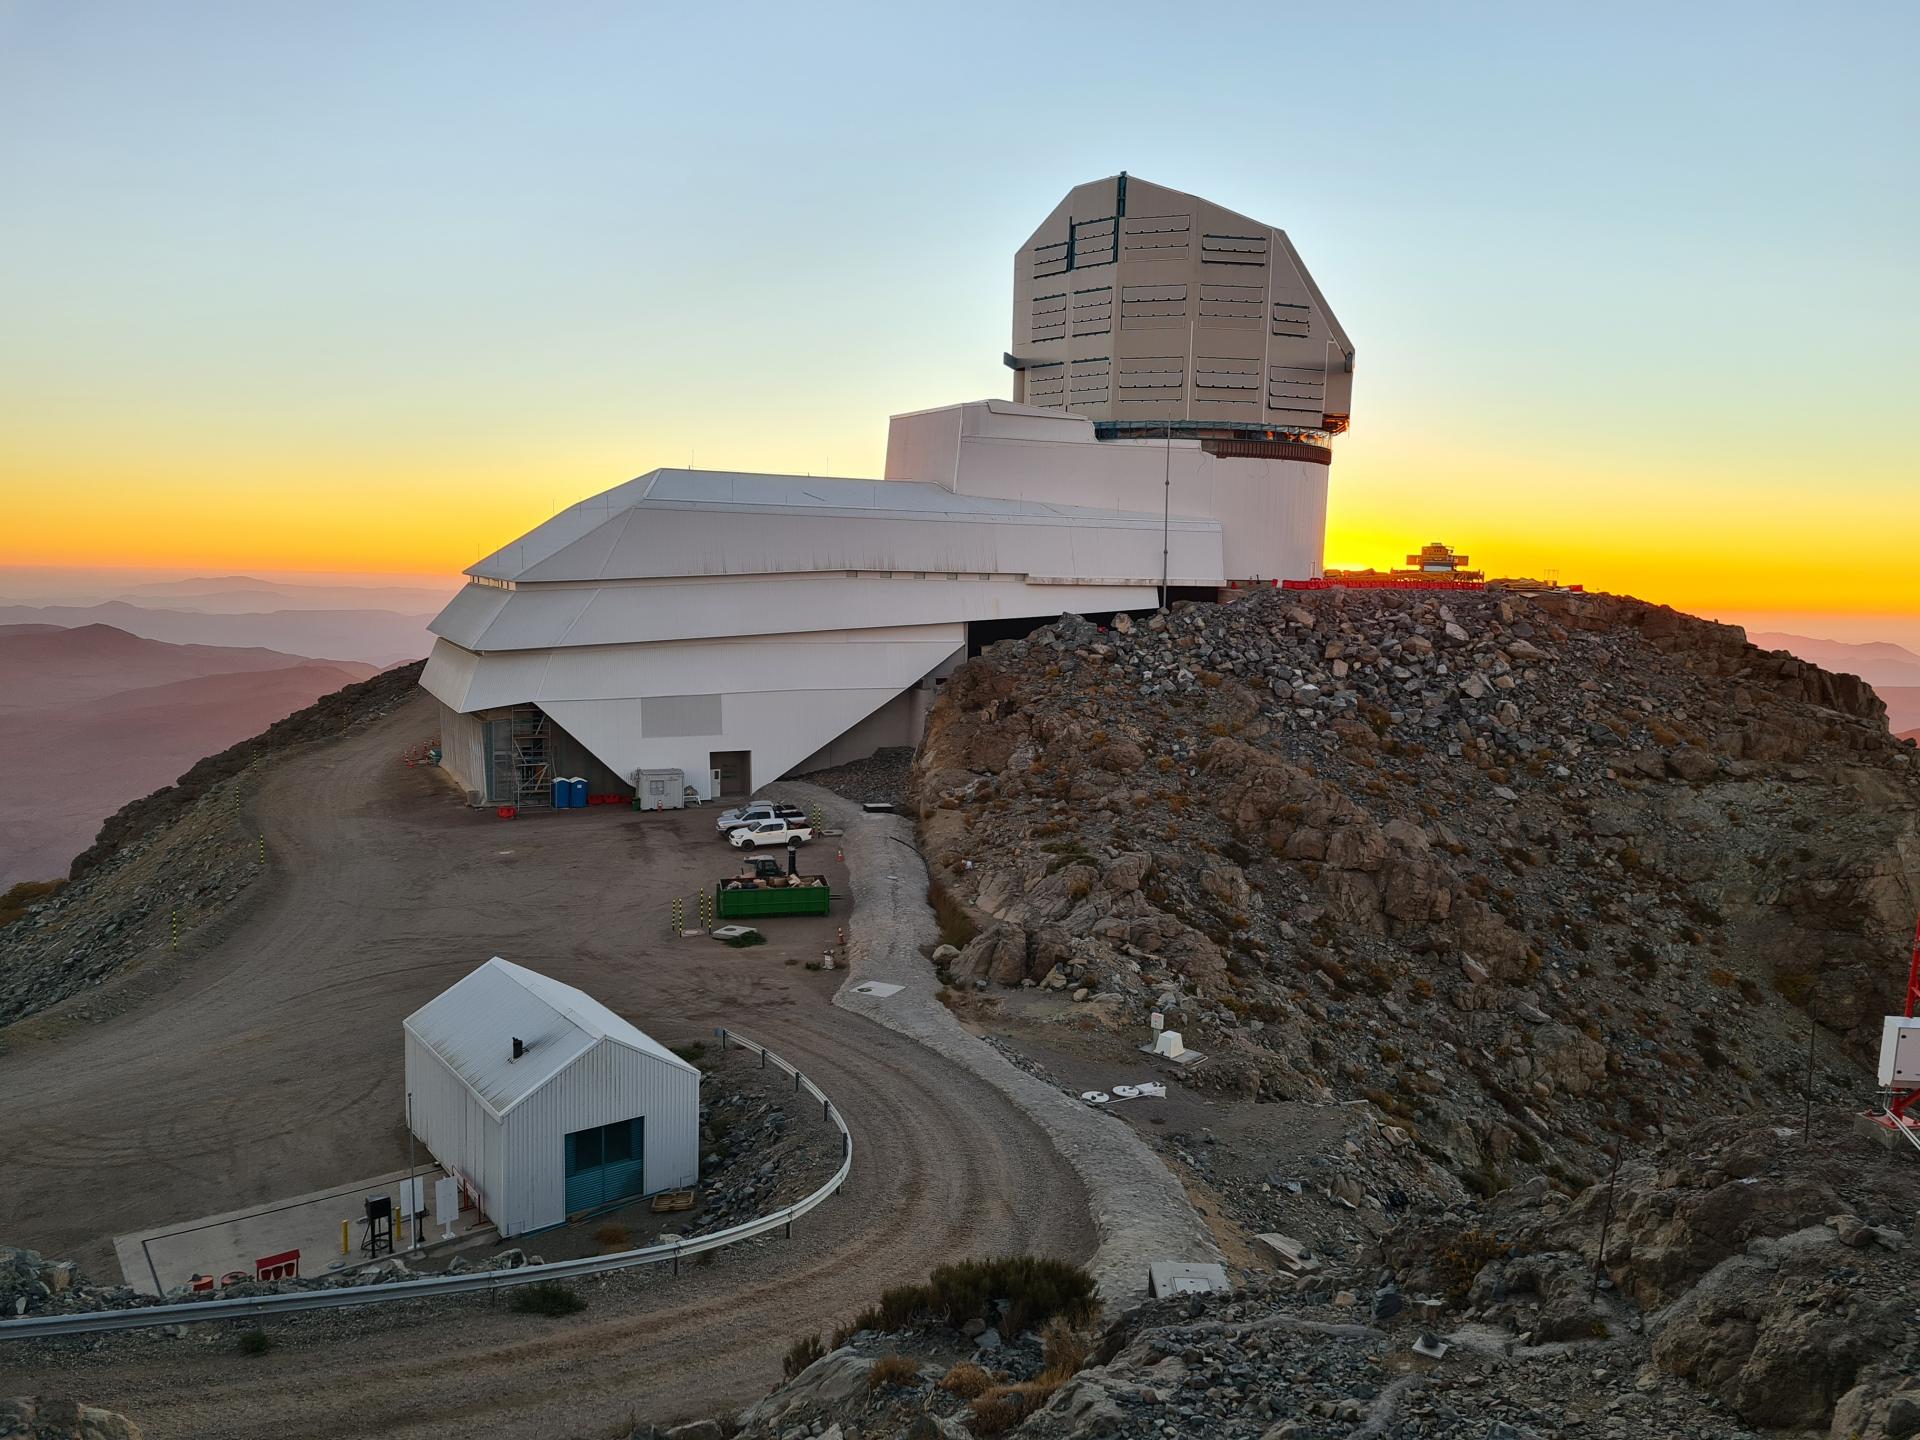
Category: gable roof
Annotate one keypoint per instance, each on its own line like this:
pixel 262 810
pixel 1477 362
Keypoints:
pixel 473 1023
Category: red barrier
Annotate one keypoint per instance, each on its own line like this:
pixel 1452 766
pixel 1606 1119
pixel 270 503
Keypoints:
pixel 284 1266
pixel 507 812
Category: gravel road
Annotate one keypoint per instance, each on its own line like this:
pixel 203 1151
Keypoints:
pixel 272 1067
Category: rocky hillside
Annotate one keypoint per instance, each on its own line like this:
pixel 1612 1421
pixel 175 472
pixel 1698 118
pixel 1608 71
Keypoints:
pixel 1527 876
pixel 1747 1290
pixel 187 850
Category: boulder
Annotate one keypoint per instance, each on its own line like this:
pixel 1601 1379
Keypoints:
pixel 1567 1059
pixel 61 1418
pixel 1128 872
pixel 1692 764
pixel 1773 1334
pixel 997 954
pixel 832 1380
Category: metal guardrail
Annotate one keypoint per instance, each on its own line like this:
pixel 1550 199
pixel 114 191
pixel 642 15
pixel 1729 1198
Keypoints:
pixel 433 1287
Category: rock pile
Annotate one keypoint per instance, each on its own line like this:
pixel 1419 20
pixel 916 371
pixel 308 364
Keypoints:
pixel 1528 876
pixel 1721 1313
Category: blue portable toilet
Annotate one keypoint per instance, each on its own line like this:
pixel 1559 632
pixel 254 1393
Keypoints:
pixel 562 792
pixel 579 788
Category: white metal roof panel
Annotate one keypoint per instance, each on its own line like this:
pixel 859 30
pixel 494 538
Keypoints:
pixel 473 1023
pixel 666 524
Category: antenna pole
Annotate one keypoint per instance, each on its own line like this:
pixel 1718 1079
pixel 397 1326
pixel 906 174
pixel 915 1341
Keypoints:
pixel 412 1204
pixel 1806 1132
pixel 1166 524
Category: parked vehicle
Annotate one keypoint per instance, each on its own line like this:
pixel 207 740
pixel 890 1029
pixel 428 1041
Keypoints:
pixel 770 832
pixel 758 810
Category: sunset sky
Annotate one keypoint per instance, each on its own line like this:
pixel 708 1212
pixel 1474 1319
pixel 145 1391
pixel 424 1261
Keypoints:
pixel 364 287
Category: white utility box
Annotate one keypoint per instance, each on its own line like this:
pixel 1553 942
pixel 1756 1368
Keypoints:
pixel 1900 1053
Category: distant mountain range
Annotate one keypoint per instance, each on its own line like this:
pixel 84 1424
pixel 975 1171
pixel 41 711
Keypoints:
pixel 240 594
pixel 94 717
pixel 1892 670
pixel 376 637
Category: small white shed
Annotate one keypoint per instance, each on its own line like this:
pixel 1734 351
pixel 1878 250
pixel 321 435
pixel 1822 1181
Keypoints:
pixel 545 1101
pixel 660 789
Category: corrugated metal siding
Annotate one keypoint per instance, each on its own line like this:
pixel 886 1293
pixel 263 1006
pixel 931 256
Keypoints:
pixel 607 1083
pixel 453 1124
pixel 463 749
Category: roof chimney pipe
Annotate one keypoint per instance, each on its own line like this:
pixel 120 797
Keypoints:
pixel 518 1048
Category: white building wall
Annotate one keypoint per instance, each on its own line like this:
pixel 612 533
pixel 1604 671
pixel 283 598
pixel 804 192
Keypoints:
pixel 518 1162
pixel 458 1131
pixel 608 1082
pixel 1272 513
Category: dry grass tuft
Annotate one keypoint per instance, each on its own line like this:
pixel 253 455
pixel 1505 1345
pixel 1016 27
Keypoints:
pixel 900 1370
pixel 802 1353
pixel 967 1380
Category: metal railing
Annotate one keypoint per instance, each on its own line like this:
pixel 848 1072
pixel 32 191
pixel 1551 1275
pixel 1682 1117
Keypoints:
pixel 433 1287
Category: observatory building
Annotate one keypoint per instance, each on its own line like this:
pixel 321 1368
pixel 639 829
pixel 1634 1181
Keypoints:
pixel 1178 380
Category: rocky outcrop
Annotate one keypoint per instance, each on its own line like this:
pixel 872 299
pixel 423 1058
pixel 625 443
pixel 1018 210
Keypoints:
pixel 1528 876
pixel 1777 1333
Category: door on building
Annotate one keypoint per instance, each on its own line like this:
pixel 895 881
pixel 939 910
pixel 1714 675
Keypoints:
pixel 606 1164
pixel 733 773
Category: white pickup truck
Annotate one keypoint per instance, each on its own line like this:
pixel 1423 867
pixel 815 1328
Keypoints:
pixel 759 810
pixel 777 831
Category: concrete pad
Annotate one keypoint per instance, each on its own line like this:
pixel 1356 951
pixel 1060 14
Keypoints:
pixel 159 1260
pixel 1170 1277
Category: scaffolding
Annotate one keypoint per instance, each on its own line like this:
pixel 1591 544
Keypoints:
pixel 522 745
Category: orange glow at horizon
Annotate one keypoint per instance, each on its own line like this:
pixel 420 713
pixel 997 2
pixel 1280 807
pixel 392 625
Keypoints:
pixel 1686 535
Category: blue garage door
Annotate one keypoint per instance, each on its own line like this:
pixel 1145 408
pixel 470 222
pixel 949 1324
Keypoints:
pixel 606 1164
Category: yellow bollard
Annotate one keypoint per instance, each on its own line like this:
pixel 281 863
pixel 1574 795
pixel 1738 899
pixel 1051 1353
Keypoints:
pixel 346 1239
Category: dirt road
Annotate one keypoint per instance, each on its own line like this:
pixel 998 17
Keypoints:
pixel 274 1067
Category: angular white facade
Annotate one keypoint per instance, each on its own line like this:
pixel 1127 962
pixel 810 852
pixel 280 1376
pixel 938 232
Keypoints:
pixel 741 627
pixel 502 1115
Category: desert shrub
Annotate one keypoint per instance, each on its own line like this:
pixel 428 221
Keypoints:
pixel 956 925
pixel 967 1380
pixel 1035 1289
pixel 802 1353
pixel 999 1409
pixel 546 1298
pixel 1795 986
pixel 1065 1348
pixel 742 942
pixel 254 1342
pixel 613 1236
pixel 1463 1258
pixel 900 1370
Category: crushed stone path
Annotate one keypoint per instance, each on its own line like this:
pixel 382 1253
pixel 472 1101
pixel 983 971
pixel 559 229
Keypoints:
pixel 1140 1212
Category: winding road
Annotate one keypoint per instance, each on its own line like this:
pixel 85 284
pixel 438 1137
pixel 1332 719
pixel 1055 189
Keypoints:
pixel 273 1067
